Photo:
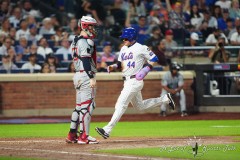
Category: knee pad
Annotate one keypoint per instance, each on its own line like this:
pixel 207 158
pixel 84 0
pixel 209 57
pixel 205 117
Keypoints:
pixel 75 115
pixel 75 119
pixel 85 114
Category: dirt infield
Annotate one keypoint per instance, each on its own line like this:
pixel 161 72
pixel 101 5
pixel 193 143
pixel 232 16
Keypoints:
pixel 57 149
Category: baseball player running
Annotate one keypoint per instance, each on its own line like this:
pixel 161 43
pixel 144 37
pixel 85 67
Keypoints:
pixel 84 56
pixel 131 60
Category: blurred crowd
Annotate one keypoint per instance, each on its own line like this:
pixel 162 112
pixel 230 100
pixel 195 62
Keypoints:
pixel 35 36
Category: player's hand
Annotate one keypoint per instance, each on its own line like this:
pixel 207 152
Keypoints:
pixel 173 91
pixel 217 47
pixel 93 83
pixel 110 68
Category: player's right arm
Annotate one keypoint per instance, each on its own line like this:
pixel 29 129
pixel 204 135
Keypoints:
pixel 112 67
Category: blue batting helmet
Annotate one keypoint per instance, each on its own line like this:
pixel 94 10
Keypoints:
pixel 129 33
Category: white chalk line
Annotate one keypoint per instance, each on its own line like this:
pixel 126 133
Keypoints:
pixel 75 153
pixel 63 141
pixel 31 141
pixel 58 141
pixel 225 126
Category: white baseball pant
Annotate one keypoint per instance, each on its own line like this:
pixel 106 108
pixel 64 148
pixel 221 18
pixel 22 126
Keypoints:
pixel 85 104
pixel 131 92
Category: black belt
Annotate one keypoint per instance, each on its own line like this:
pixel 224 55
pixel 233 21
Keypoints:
pixel 133 76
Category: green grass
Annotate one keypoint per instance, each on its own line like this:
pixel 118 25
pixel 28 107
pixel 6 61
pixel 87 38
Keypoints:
pixel 171 129
pixel 205 152
pixel 130 129
pixel 177 128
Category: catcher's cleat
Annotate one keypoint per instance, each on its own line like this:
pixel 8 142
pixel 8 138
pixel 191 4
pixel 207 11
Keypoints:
pixel 102 132
pixel 171 102
pixel 71 138
pixel 88 140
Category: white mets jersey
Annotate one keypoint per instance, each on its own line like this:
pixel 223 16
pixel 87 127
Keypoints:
pixel 133 58
pixel 84 48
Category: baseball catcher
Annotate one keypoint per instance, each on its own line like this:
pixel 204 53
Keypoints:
pixel 84 58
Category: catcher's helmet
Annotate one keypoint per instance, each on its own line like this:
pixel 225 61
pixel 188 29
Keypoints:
pixel 129 33
pixel 87 24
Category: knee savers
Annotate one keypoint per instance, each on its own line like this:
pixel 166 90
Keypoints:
pixel 85 113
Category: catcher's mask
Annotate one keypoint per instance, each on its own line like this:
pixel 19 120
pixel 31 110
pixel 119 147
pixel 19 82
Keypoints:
pixel 88 25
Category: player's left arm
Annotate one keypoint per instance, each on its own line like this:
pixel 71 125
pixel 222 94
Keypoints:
pixel 152 61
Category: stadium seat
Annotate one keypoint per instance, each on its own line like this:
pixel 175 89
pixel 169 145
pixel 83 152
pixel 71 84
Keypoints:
pixel 65 28
pixel 51 43
pixel 55 48
pixel 24 71
pixel 109 63
pixel 20 71
pixel 38 19
pixel 157 68
pixel 37 71
pixel 70 57
pixel 62 70
pixel 234 53
pixel 16 43
pixel 3 71
pixel 99 48
pixel 39 57
pixel 29 43
pixel 25 57
pixel 19 64
pixel 40 62
pixel 59 57
pixel 48 36
pixel 65 63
